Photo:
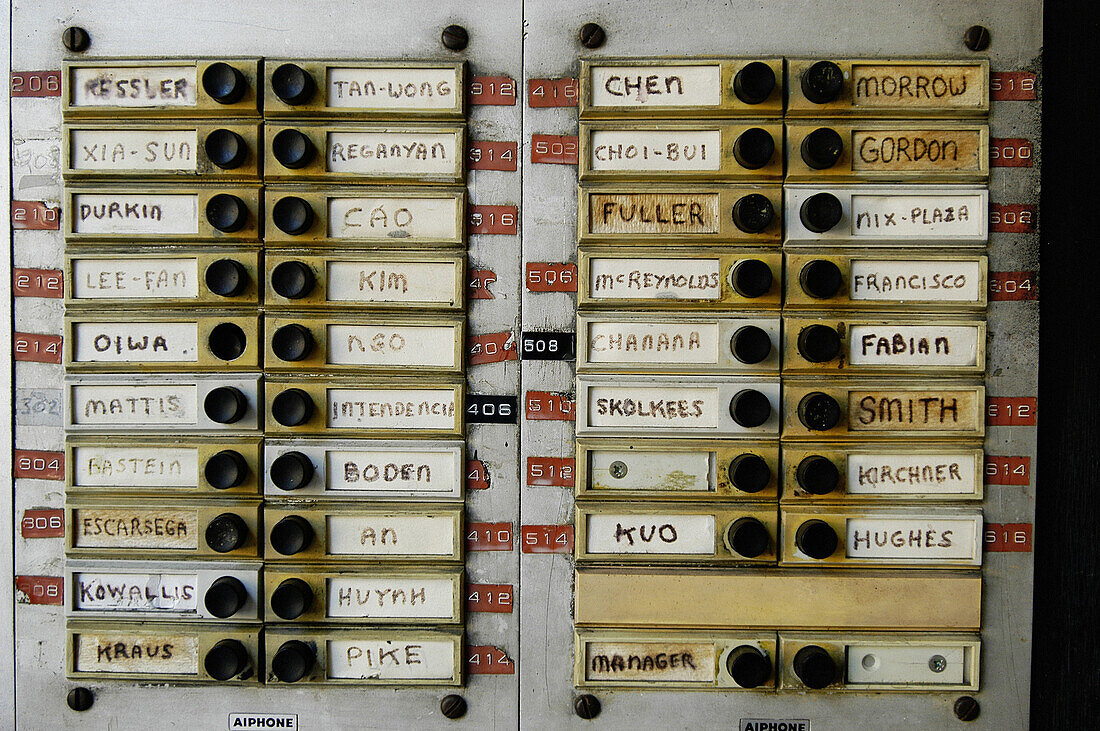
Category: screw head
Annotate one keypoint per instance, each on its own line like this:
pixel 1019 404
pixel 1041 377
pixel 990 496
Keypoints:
pixel 80 699
pixel 937 663
pixel 453 706
pixel 587 706
pixel 77 40
pixel 592 36
pixel 967 708
pixel 617 469
pixel 977 38
pixel 455 38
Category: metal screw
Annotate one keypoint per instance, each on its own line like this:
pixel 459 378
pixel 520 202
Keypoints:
pixel 592 35
pixel 617 469
pixel 587 706
pixel 80 699
pixel 937 663
pixel 967 708
pixel 76 39
pixel 453 706
pixel 977 38
pixel 455 37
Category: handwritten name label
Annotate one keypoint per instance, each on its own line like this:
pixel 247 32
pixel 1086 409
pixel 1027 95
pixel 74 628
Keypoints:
pixel 127 149
pixel 136 592
pixel 660 471
pixel 916 150
pixel 642 407
pixel 914 345
pixel 904 411
pixel 924 86
pixel 659 662
pixel 419 472
pixel 912 474
pixel 134 466
pixel 392 345
pixel 915 281
pixel 134 213
pixel 651 533
pixel 394 218
pixel 381 408
pixel 136 342
pixel 393 88
pixel 391 597
pixel 133 86
pixel 653 213
pixel 652 342
pixel 135 278
pixel 655 279
pixel 918 216
pixel 395 659
pixel 135 528
pixel 656 86
pixel 924 539
pixel 381 153
pixel 391 535
pixel 136 652
pixel 123 403
pixel 392 281
pixel 656 151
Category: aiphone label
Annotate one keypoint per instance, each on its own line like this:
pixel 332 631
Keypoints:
pixel 285 721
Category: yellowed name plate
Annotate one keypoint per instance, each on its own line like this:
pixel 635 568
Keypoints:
pixel 917 150
pixel 653 213
pixel 134 528
pixel 136 652
pixel 923 86
pixel 924 410
pixel 656 662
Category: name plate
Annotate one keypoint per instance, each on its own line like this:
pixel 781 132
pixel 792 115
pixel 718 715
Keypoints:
pixel 940 474
pixel 877 215
pixel 425 533
pixel 134 342
pixel 661 343
pixel 120 88
pixel 136 652
pixel 384 597
pixel 669 406
pixel 392 409
pixel 390 660
pixel 168 403
pixel 136 528
pixel 658 663
pixel 396 219
pixel 160 152
pixel 924 539
pixel 897 88
pixel 686 87
pixel 391 282
pixel 918 346
pixel 912 663
pixel 159 214
pixel 418 469
pixel 373 89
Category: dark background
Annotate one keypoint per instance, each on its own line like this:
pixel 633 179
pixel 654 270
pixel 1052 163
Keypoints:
pixel 1065 653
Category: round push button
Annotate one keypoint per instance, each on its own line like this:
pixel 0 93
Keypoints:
pixel 292 342
pixel 225 405
pixel 291 535
pixel 291 471
pixel 753 213
pixel 751 278
pixel 292 407
pixel 817 475
pixel 293 84
pixel 815 667
pixel 226 149
pixel 225 469
pixel 750 344
pixel 749 473
pixel 821 279
pixel 227 532
pixel 753 148
pixel 748 666
pixel 816 539
pixel 226 659
pixel 226 212
pixel 820 212
pixel 292 661
pixel 227 341
pixel 223 83
pixel 818 411
pixel 225 597
pixel 293 149
pixel 822 148
pixel 750 408
pixel 292 215
pixel 754 83
pixel 292 279
pixel 291 599
pixel 818 343
pixel 822 82
pixel 226 278
pixel 748 537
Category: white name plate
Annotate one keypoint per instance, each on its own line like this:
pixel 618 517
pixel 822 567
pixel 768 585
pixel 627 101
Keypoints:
pixel 160 214
pixel 133 149
pixel 383 153
pixel 656 86
pixel 136 342
pixel 390 535
pixel 135 466
pixel 135 592
pixel 133 86
pixel 412 472
pixel 915 281
pixel 929 539
pixel 912 345
pixel 656 151
pixel 655 279
pixel 912 474
pixel 391 409
pixel 135 278
pixel 650 533
pixel 396 88
pixel 394 282
pixel 133 405
pixel 660 342
pixel 395 218
pixel 391 659
pixel 391 597
pixel 392 345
